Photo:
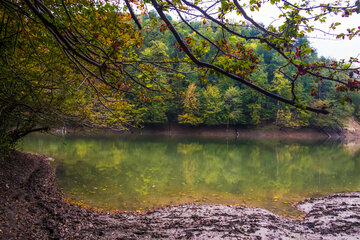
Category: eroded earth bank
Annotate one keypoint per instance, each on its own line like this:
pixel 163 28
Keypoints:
pixel 31 207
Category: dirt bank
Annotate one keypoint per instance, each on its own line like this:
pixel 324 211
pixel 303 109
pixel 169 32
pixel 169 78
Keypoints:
pixel 31 207
pixel 265 131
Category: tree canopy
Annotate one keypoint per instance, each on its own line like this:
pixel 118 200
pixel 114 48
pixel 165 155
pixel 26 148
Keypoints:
pixel 236 61
pixel 114 63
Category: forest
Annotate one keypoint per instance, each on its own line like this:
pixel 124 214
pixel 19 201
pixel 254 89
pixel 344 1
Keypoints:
pixel 260 94
pixel 218 100
pixel 102 64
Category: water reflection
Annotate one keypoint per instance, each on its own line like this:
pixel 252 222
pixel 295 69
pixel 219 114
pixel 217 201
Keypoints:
pixel 130 173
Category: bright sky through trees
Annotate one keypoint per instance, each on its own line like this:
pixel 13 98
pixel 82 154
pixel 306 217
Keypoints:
pixel 339 49
pixel 326 45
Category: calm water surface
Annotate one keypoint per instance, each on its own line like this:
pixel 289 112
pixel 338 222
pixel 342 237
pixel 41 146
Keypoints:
pixel 142 172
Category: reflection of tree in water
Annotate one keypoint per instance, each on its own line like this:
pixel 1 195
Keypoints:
pixel 353 147
pixel 132 173
pixel 190 160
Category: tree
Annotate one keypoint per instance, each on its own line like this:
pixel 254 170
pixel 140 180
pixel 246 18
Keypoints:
pixel 48 71
pixel 191 107
pixel 233 101
pixel 238 62
pixel 213 106
pixel 95 49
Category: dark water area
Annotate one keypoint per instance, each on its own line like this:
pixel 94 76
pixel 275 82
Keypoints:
pixel 142 172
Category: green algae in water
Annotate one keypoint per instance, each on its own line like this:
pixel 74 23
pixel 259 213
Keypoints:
pixel 131 173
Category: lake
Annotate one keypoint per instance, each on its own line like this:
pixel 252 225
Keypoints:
pixel 143 172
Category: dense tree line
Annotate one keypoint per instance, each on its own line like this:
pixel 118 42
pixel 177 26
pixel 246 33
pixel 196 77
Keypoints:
pixel 217 100
pixel 98 64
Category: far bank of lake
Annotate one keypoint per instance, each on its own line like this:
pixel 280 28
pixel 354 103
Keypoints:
pixel 269 131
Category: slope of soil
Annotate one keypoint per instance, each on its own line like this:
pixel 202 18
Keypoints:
pixel 352 129
pixel 31 207
pixel 266 131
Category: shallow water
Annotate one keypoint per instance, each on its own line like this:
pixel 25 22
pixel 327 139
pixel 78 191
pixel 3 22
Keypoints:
pixel 143 172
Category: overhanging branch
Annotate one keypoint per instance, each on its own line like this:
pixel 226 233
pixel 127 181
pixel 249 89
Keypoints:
pixel 162 15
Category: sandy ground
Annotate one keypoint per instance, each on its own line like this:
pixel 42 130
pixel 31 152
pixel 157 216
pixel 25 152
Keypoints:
pixel 31 207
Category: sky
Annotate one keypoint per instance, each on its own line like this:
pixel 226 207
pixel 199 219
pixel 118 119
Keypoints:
pixel 326 46
pixel 339 49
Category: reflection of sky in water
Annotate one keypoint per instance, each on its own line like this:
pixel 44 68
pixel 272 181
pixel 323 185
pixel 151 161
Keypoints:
pixel 131 173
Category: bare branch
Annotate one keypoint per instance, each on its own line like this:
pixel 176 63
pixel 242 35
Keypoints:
pixel 132 14
pixel 242 11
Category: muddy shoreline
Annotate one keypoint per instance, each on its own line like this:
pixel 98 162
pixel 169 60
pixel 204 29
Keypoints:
pixel 31 207
pixel 212 131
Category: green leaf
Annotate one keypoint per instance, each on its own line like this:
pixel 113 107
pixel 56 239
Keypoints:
pixel 346 66
pixel 306 51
